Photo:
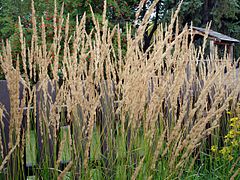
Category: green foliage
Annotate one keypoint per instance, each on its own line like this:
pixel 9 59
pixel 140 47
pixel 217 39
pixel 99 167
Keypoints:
pixel 225 13
pixel 189 11
pixel 7 27
pixel 117 12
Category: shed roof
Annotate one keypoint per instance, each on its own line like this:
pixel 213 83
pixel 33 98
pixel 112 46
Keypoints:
pixel 216 35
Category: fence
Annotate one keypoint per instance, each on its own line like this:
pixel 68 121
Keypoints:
pixel 4 127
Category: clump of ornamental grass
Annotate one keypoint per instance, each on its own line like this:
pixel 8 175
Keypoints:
pixel 129 115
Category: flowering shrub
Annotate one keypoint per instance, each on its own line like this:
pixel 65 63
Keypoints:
pixel 232 139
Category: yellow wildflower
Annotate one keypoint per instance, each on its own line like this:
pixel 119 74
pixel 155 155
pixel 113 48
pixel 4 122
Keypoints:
pixel 234 143
pixel 214 149
pixel 225 151
pixel 230 158
pixel 228 112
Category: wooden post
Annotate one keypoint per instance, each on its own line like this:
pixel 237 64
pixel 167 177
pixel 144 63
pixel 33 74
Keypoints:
pixel 231 52
pixel 212 49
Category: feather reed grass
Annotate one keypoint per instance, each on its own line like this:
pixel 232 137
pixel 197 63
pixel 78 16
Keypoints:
pixel 150 109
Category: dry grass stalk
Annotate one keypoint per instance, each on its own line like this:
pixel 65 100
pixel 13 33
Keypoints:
pixel 135 174
pixel 67 168
pixel 235 174
pixel 8 156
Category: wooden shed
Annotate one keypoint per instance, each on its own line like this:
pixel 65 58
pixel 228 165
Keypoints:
pixel 216 39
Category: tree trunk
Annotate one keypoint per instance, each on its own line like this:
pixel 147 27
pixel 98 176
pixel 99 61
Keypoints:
pixel 207 9
pixel 148 36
